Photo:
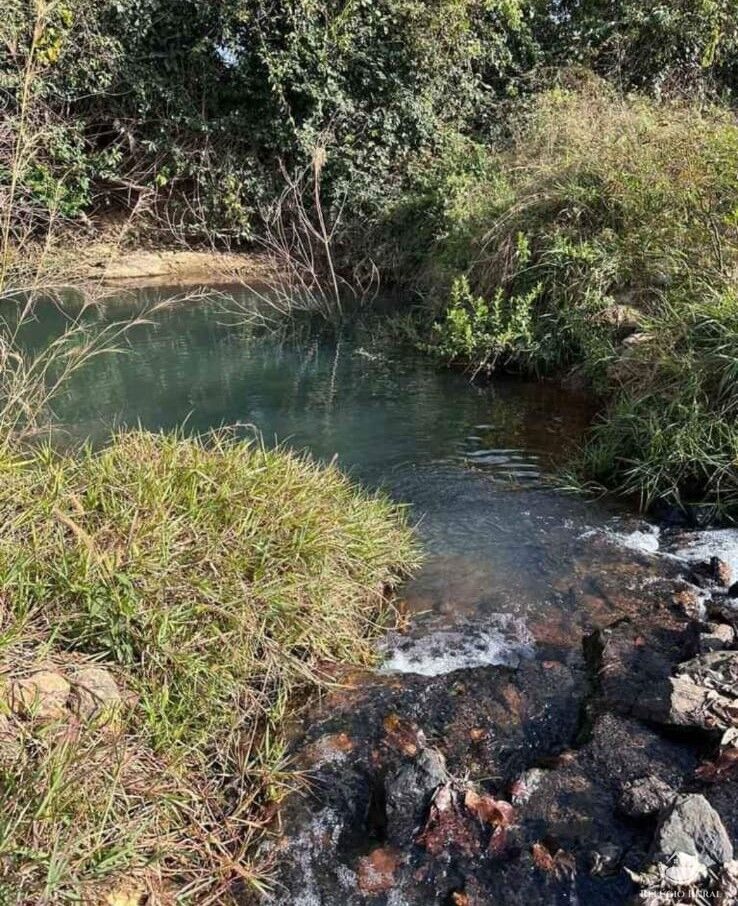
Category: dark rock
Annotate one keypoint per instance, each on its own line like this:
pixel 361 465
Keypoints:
pixel 712 572
pixel 634 663
pixel 692 826
pixel 645 797
pixel 408 792
pixel 717 637
pixel 733 590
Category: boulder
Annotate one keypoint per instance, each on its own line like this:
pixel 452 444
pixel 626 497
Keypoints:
pixel 691 825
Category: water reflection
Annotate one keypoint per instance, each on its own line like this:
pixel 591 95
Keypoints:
pixel 470 460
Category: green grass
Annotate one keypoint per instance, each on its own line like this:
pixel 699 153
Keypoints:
pixel 218 581
pixel 601 210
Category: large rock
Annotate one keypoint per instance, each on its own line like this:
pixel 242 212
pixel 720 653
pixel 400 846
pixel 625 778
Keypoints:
pixel 692 826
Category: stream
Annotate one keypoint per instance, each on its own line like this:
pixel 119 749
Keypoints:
pixel 540 632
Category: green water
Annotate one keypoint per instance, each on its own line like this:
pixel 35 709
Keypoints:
pixel 472 461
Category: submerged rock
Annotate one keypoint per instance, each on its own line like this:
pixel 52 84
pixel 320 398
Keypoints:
pixel 499 640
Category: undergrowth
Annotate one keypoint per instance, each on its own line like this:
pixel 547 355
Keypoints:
pixel 604 241
pixel 216 580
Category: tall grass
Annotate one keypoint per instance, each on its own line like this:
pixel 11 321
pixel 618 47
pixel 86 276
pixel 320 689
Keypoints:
pixel 216 579
pixel 604 240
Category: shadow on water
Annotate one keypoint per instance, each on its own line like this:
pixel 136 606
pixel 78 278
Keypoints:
pixel 473 462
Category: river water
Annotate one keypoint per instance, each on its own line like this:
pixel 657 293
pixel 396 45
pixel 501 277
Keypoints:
pixel 476 464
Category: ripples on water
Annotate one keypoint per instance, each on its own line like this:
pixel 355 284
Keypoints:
pixel 472 461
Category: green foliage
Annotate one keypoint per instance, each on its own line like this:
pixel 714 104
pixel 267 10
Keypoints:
pixel 215 579
pixel 486 333
pixel 676 47
pixel 614 230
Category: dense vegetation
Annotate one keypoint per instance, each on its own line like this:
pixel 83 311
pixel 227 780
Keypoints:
pixel 460 146
pixel 555 180
pixel 212 581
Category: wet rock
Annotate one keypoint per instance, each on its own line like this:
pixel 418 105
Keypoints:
pixel 43 695
pixel 692 826
pixel 691 603
pixel 95 694
pixel 714 571
pixel 634 663
pixel 725 609
pixel 645 797
pixel 408 792
pixel 717 637
pixel 499 640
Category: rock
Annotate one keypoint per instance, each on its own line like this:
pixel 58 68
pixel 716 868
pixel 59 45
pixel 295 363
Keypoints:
pixel 714 571
pixel 690 602
pixel 691 825
pixel 725 609
pixel 718 637
pixel 408 792
pixel 624 319
pixel 95 693
pixel 376 872
pixel 645 797
pixel 638 339
pixel 733 590
pixel 702 694
pixel 43 695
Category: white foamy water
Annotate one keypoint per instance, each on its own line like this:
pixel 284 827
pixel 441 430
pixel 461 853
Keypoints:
pixel 708 543
pixel 502 640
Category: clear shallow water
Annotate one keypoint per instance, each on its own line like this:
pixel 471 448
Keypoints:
pixel 471 461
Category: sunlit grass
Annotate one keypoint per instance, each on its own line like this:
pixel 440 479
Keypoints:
pixel 217 579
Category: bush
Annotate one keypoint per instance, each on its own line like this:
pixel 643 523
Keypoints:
pixel 614 220
pixel 215 580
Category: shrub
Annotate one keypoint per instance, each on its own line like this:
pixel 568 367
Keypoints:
pixel 216 580
pixel 625 212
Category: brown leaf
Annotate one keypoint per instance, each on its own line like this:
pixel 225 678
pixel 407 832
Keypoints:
pixel 496 812
pixel 542 858
pixel 724 765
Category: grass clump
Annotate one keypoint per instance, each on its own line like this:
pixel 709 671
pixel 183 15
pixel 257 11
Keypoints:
pixel 604 239
pixel 215 580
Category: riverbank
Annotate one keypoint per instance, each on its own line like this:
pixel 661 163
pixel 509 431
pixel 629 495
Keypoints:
pixel 591 765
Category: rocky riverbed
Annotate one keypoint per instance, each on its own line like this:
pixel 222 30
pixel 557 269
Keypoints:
pixel 591 758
